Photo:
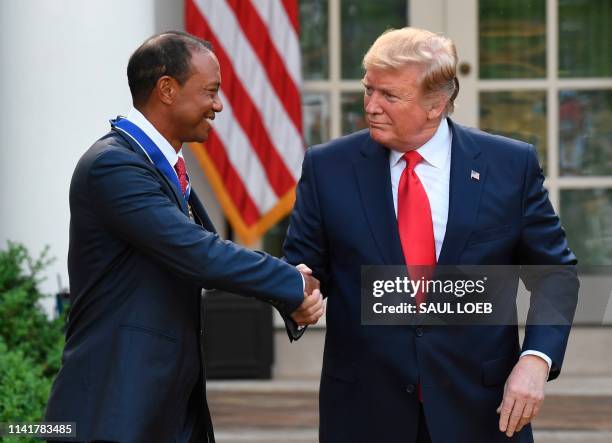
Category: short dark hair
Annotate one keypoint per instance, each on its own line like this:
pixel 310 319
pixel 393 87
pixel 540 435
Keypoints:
pixel 168 53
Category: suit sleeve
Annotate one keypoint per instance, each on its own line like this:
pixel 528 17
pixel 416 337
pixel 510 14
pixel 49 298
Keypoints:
pixel 552 277
pixel 130 202
pixel 294 331
pixel 306 241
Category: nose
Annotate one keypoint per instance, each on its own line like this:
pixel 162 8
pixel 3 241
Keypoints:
pixel 217 104
pixel 371 105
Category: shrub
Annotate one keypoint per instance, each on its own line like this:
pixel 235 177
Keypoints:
pixel 30 342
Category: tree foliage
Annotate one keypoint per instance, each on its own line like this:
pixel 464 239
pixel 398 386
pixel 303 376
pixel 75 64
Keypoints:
pixel 30 342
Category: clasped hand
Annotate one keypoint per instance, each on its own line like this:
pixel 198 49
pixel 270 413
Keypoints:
pixel 311 309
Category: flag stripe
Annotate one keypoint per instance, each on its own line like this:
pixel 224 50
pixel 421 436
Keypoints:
pixel 247 114
pixel 284 134
pixel 283 34
pixel 231 179
pixel 284 82
pixel 248 166
pixel 293 14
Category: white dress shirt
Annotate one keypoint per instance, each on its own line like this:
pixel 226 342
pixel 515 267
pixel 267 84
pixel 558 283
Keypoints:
pixel 434 174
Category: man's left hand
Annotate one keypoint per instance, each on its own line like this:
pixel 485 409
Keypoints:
pixel 523 394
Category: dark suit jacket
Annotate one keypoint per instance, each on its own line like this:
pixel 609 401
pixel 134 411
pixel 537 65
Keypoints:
pixel 132 365
pixel 344 219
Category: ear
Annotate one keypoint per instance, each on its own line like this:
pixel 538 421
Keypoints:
pixel 166 89
pixel 436 107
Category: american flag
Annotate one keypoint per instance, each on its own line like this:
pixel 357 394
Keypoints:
pixel 253 156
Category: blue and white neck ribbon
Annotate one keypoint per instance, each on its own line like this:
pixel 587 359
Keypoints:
pixel 153 152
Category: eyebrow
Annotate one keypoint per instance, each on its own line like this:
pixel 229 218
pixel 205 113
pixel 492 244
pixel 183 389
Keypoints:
pixel 385 90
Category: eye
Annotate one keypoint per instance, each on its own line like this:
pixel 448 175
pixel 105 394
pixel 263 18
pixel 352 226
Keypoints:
pixel 368 90
pixel 390 97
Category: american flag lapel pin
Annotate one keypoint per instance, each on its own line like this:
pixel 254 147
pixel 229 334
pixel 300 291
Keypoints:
pixel 475 175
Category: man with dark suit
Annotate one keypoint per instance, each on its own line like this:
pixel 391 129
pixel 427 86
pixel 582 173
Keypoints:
pixel 141 249
pixel 415 188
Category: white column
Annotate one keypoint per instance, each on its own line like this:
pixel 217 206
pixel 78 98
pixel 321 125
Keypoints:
pixel 63 76
pixel 428 14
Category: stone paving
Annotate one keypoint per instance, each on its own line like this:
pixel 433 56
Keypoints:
pixel 293 406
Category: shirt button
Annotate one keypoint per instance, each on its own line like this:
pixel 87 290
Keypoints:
pixel 410 389
pixel 419 332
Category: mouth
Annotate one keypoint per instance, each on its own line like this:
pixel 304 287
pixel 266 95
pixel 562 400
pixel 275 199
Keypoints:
pixel 371 119
pixel 209 121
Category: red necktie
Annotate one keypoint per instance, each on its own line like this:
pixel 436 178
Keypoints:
pixel 414 221
pixel 181 171
pixel 415 226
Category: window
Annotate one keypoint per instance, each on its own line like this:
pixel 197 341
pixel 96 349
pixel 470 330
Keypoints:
pixel 335 35
pixel 545 77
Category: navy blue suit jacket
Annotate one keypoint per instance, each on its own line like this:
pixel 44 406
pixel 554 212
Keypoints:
pixel 344 218
pixel 132 365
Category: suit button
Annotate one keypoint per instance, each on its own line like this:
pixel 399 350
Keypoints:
pixel 410 389
pixel 419 332
pixel 201 331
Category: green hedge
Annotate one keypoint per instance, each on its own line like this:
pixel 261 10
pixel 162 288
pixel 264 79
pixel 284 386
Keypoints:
pixel 30 343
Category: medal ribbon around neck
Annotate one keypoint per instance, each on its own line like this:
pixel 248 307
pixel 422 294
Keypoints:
pixel 153 152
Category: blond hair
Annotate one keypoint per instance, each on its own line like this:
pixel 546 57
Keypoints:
pixel 436 54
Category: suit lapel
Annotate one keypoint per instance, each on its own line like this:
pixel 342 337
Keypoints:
pixel 200 212
pixel 194 201
pixel 464 193
pixel 371 166
pixel 178 194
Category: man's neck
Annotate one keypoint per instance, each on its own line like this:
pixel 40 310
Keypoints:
pixel 160 123
pixel 427 134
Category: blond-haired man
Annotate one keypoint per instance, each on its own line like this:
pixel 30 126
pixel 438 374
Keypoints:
pixel 417 188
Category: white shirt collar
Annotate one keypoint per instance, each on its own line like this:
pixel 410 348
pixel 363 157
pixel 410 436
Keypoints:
pixel 435 151
pixel 136 117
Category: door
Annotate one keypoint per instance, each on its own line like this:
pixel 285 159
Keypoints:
pixel 541 71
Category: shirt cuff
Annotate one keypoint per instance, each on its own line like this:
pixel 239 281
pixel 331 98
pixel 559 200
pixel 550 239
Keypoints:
pixel 543 356
pixel 299 328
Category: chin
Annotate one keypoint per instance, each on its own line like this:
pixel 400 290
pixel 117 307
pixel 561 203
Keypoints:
pixel 378 136
pixel 200 137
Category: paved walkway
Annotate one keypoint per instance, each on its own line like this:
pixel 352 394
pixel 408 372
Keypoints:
pixel 576 410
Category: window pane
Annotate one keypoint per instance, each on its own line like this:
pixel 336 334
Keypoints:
pixel 352 112
pixel 512 38
pixel 362 22
pixel 585 38
pixel 585 132
pixel 516 114
pixel 314 39
pixel 586 216
pixel 315 117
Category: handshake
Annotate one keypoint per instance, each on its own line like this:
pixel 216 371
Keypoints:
pixel 311 309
